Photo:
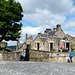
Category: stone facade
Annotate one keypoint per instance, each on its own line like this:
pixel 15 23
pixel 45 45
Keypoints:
pixel 72 39
pixel 50 39
pixel 53 39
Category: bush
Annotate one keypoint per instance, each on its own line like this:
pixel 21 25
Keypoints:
pixel 63 50
pixel 72 49
pixel 53 50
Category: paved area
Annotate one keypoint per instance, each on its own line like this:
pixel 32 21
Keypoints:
pixel 36 68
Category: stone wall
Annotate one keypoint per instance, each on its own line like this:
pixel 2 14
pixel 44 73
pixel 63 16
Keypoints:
pixel 72 39
pixel 60 33
pixel 9 56
pixel 46 56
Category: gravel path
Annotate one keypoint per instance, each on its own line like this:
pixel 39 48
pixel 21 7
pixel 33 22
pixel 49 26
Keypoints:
pixel 36 68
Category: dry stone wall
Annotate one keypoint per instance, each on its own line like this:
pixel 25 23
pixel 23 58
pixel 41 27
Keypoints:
pixel 9 56
pixel 46 56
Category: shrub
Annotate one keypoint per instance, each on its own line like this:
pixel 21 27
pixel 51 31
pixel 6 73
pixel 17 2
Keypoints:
pixel 53 50
pixel 72 49
pixel 63 50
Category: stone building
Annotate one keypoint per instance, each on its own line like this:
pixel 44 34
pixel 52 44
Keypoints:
pixel 51 39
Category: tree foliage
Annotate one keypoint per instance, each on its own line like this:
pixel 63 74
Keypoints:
pixel 10 16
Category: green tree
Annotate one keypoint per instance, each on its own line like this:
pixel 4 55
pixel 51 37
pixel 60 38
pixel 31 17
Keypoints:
pixel 10 16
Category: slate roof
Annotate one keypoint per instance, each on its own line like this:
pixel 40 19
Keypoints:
pixel 51 32
pixel 44 35
pixel 73 37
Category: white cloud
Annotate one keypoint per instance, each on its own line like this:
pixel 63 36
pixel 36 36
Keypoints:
pixel 47 13
pixel 70 33
pixel 11 43
pixel 44 18
pixel 29 31
pixel 55 6
pixel 70 25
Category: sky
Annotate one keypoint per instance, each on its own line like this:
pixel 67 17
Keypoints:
pixel 42 14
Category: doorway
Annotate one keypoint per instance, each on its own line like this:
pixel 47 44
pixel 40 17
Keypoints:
pixel 51 46
pixel 38 45
pixel 67 46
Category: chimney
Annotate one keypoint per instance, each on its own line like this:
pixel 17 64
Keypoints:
pixel 58 26
pixel 47 30
pixel 39 33
pixel 54 29
pixel 26 37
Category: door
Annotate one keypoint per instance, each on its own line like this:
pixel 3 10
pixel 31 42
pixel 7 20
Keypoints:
pixel 51 46
pixel 67 46
pixel 38 46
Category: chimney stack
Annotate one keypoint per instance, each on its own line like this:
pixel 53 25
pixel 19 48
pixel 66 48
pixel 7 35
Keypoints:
pixel 26 37
pixel 58 26
pixel 54 29
pixel 47 30
pixel 39 33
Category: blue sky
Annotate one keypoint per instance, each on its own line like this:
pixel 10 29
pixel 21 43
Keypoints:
pixel 73 2
pixel 42 14
pixel 27 23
